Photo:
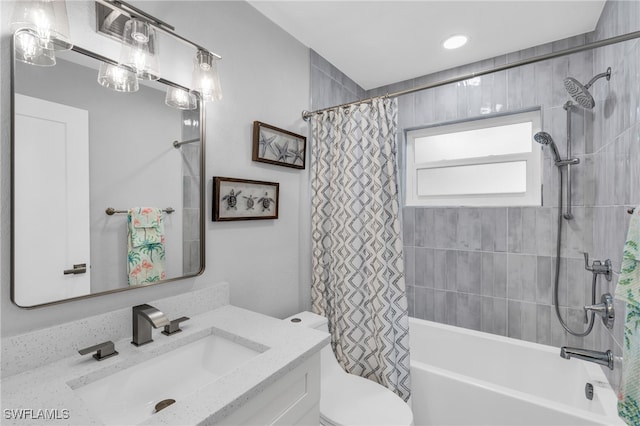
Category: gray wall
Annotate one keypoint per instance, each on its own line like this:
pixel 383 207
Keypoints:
pixel 265 76
pixel 491 269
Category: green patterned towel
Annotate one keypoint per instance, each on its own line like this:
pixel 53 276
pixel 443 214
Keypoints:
pixel 145 246
pixel 628 290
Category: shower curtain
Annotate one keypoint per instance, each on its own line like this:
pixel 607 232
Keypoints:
pixel 358 278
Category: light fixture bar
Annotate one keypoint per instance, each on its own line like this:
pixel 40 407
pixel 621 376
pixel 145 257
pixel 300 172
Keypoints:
pixel 112 62
pixel 141 14
pixel 134 12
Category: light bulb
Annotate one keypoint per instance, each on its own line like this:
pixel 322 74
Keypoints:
pixel 180 98
pixel 28 49
pixel 140 49
pixel 47 19
pixel 205 77
pixel 117 78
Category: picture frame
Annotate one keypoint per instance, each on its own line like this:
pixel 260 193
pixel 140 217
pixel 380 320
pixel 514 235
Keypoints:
pixel 243 199
pixel 278 146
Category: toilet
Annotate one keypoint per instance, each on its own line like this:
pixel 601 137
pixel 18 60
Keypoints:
pixel 347 399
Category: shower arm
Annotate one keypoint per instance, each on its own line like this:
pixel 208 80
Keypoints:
pixel 607 74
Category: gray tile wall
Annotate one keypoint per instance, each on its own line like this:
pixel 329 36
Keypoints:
pixel 615 149
pixel 329 86
pixel 492 269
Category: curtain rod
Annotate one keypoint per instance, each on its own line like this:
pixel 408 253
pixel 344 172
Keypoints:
pixel 306 115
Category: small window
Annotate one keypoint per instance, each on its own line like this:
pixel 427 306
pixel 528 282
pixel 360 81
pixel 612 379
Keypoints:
pixel 489 161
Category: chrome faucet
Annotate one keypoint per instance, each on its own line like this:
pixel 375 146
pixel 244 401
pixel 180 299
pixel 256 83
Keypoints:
pixel 603 358
pixel 144 317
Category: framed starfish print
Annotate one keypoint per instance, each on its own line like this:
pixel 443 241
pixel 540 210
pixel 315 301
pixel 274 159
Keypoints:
pixel 277 146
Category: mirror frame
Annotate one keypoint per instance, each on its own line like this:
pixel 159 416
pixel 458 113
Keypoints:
pixel 202 192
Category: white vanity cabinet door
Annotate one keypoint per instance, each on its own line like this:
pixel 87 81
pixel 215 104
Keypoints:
pixel 292 400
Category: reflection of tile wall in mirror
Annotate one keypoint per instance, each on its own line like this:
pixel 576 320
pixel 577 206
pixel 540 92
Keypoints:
pixel 191 262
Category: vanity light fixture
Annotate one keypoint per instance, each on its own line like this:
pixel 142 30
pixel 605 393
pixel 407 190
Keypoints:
pixel 118 78
pixel 48 24
pixel 455 42
pixel 205 76
pixel 140 49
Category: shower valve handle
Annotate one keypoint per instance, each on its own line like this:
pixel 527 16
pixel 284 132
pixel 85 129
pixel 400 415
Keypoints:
pixel 604 310
pixel 598 267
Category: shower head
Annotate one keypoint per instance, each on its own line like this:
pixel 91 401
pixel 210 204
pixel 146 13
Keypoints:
pixel 544 138
pixel 581 93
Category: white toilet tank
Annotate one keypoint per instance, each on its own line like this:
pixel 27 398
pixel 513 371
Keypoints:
pixel 311 320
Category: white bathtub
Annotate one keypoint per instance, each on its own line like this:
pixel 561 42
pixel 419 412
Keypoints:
pixel 465 377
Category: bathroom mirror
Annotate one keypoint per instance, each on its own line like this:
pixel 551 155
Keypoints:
pixel 78 149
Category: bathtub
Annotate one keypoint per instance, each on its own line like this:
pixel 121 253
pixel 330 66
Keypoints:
pixel 466 377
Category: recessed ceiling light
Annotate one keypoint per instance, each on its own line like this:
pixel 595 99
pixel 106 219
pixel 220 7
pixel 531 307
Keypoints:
pixel 455 41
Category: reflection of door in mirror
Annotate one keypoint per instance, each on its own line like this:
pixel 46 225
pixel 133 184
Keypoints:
pixel 55 236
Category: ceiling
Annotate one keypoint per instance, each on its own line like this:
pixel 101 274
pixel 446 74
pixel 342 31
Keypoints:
pixel 377 43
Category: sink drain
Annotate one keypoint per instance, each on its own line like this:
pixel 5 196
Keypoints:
pixel 164 404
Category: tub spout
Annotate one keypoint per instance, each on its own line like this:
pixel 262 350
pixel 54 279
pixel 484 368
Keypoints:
pixel 603 358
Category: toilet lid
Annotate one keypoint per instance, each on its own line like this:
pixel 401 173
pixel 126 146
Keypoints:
pixel 352 400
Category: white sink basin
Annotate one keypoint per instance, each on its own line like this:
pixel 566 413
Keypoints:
pixel 130 396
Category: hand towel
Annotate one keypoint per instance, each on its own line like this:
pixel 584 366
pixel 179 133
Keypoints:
pixel 145 226
pixel 145 246
pixel 628 290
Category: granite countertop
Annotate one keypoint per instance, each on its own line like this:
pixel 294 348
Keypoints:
pixel 283 347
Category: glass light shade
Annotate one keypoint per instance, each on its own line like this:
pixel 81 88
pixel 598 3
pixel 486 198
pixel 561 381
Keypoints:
pixel 47 19
pixel 180 98
pixel 140 49
pixel 28 49
pixel 117 78
pixel 205 76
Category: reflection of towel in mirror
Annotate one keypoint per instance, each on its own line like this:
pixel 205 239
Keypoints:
pixel 628 290
pixel 145 245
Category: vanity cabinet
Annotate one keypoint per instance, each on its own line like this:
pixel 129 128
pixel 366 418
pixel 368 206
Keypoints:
pixel 291 400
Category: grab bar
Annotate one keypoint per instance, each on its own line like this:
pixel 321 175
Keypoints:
pixel 111 211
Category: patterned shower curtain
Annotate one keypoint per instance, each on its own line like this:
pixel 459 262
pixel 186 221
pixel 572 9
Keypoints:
pixel 358 278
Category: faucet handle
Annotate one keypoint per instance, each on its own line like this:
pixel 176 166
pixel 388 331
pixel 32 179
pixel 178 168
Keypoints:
pixel 174 326
pixel 598 266
pixel 103 350
pixel 605 309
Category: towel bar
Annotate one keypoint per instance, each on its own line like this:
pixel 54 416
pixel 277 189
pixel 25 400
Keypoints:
pixel 177 144
pixel 111 211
